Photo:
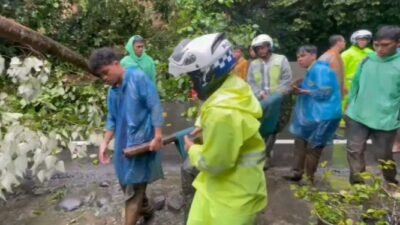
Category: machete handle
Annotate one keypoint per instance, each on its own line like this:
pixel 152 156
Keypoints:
pixel 143 148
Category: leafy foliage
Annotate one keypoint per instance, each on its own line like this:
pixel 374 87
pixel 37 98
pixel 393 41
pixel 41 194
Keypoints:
pixel 42 113
pixel 357 204
pixel 23 149
pixel 54 100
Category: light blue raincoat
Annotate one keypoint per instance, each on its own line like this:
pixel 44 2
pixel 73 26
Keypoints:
pixel 134 110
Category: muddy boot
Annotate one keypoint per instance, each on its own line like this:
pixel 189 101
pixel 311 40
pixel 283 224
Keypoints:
pixel 311 164
pixel 294 176
pixel 299 158
pixel 188 174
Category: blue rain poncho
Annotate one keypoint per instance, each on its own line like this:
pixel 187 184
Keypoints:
pixel 134 110
pixel 317 115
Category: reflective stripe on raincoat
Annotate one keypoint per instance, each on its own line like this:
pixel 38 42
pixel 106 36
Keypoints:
pixel 232 157
pixel 134 110
pixel 276 79
pixel 144 62
pixel 274 82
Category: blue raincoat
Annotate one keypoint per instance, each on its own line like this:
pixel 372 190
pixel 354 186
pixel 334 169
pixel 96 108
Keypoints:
pixel 317 114
pixel 134 110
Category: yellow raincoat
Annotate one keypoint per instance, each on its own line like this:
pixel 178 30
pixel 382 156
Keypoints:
pixel 231 186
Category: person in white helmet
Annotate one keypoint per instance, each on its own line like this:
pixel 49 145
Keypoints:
pixel 352 59
pixel 270 74
pixel 231 186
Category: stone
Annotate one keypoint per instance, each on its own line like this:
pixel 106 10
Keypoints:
pixel 40 191
pixel 104 184
pixel 70 204
pixel 89 199
pixel 159 202
pixel 102 201
pixel 174 201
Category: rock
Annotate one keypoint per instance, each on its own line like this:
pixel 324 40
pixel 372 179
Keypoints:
pixel 102 201
pixel 159 202
pixel 89 199
pixel 104 184
pixel 70 204
pixel 40 191
pixel 175 201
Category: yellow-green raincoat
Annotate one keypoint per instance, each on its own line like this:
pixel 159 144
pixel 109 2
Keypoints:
pixel 231 186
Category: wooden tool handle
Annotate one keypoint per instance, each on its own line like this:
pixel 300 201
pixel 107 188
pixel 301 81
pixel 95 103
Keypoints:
pixel 143 148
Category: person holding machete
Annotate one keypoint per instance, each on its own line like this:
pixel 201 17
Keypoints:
pixel 135 116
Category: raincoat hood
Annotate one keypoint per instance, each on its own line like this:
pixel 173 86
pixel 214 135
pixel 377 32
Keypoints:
pixel 144 62
pixel 235 94
pixel 131 51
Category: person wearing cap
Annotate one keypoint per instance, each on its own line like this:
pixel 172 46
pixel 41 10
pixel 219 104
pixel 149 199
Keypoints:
pixel 137 57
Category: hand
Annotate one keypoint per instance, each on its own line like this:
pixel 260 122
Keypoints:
pixel 296 90
pixel 188 143
pixel 103 157
pixel 196 132
pixel 156 143
pixel 297 82
pixel 299 91
pixel 262 96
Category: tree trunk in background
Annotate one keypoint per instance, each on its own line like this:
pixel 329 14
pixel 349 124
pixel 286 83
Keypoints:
pixel 15 32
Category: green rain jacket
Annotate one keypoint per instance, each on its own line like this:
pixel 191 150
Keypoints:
pixel 374 99
pixel 144 62
pixel 231 158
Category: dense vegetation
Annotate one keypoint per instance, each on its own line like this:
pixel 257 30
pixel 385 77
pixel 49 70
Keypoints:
pixel 60 102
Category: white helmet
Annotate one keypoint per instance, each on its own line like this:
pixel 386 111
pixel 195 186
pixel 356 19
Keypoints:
pixel 261 40
pixel 206 59
pixel 360 34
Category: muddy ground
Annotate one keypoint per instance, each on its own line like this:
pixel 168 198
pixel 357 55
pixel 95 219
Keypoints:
pixel 95 193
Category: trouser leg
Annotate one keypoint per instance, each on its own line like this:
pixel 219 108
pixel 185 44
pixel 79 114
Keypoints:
pixel 311 162
pixel 357 135
pixel 383 143
pixel 300 152
pixel 396 145
pixel 269 145
pixel 188 174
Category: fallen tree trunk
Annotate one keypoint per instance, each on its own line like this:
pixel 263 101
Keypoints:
pixel 15 32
